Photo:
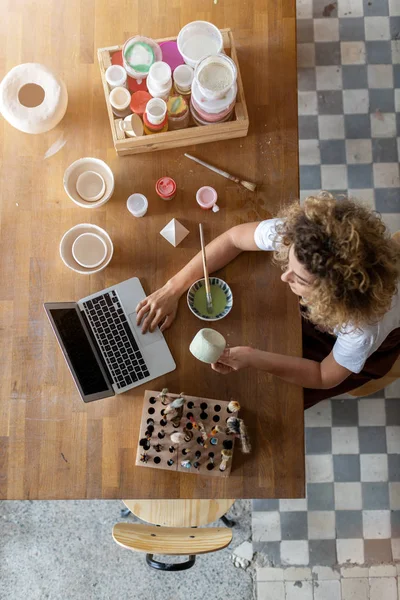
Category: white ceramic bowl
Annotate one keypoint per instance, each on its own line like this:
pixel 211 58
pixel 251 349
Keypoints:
pixel 89 250
pixel 69 238
pixel 192 41
pixel 88 164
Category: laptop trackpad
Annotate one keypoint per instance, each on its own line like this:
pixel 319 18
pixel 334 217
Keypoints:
pixel 147 338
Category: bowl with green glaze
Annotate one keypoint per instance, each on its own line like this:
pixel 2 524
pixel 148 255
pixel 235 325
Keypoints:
pixel 222 299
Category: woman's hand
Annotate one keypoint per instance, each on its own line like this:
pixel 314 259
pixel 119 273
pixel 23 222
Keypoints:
pixel 162 305
pixel 233 359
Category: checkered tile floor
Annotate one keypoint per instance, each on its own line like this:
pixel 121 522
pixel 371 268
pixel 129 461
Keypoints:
pixel 352 510
pixel 349 92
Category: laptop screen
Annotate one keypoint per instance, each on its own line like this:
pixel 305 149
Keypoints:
pixel 76 346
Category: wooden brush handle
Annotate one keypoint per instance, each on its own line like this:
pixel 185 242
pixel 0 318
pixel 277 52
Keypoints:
pixel 203 254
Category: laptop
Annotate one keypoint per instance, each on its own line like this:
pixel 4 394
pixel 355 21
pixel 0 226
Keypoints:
pixel 105 350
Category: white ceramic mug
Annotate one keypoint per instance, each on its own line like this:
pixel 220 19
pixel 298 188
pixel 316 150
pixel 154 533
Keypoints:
pixel 207 345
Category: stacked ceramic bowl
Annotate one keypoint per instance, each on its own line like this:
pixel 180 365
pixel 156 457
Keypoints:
pixel 214 90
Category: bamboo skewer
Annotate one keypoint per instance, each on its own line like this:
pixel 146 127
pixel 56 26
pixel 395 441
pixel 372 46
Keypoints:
pixel 206 278
pixel 246 184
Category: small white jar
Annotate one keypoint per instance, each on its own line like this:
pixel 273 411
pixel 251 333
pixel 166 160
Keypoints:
pixel 116 76
pixel 120 99
pixel 183 77
pixel 156 110
pixel 137 205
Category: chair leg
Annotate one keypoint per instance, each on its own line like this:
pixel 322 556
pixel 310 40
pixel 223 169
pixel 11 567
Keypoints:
pixel 155 564
pixel 228 522
pixel 125 512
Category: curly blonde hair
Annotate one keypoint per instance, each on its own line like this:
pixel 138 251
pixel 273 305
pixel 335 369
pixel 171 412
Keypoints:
pixel 348 249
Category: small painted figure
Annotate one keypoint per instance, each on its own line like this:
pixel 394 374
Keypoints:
pixel 158 447
pixel 144 457
pixel 186 464
pixel 226 455
pixel 233 406
pixel 165 399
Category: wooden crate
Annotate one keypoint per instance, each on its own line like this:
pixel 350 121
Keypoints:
pixel 236 128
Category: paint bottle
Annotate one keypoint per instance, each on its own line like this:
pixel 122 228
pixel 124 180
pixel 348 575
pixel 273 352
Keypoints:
pixel 120 99
pixel 183 77
pixel 155 117
pixel 116 76
pixel 139 102
pixel 137 205
pixel 207 198
pixel 178 113
pixel 166 188
pixel 159 80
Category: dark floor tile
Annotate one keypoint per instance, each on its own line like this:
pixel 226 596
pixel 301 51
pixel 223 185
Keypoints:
pixel 396 75
pixel 394 467
pixel 376 8
pixel 306 79
pixel 375 496
pixel 379 52
pixel 320 496
pixel 344 412
pixel 384 150
pixel 318 440
pixel 265 505
pixel 355 77
pixel 330 102
pixel 395 522
pixel 308 127
pixel 272 550
pixel 372 440
pixel 387 200
pixel 327 53
pixel 359 176
pixel 322 553
pixel 349 524
pixel 324 8
pixel 382 100
pixel 392 406
pixel 333 152
pixel 305 30
pixel 346 467
pixel 357 126
pixel 294 525
pixel 395 28
pixel 310 177
pixel 352 29
pixel 378 551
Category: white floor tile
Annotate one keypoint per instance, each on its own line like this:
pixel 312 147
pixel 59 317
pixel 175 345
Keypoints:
pixel 392 222
pixel 383 571
pixel 327 590
pixel 294 504
pixel 383 588
pixel 321 525
pixel 350 551
pixel 266 526
pixel 393 390
pixel 354 572
pixel 329 77
pixel 348 496
pixel 306 193
pixel 269 574
pixel 350 8
pixel 326 30
pixel 345 440
pixel 355 589
pixel 334 177
pixel 394 495
pixel 295 553
pixel 352 53
pixel 297 574
pixel 394 8
pixel 393 439
pixel 267 590
pixel 299 592
pixel 319 415
pixel 377 28
pixel 359 152
pixel 386 175
pixel 309 153
pixel 307 104
pixel 319 468
pixel 380 76
pixel 325 573
pixel 304 9
pixel 383 125
pixel 376 524
pixel 374 467
pixel 365 195
pixel 371 411
pixel 331 127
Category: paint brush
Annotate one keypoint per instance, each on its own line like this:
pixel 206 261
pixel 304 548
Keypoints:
pixel 206 278
pixel 246 184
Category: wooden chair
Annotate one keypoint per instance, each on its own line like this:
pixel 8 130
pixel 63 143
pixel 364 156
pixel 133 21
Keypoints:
pixel 375 385
pixel 173 531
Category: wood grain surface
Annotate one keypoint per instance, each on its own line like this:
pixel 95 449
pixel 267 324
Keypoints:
pixel 51 444
pixel 179 513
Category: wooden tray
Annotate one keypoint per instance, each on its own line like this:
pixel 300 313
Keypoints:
pixel 236 128
pixel 209 412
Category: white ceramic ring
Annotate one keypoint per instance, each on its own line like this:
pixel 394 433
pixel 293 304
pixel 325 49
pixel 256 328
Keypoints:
pixel 85 244
pixel 91 186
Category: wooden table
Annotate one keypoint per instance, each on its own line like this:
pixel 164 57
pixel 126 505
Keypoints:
pixel 51 444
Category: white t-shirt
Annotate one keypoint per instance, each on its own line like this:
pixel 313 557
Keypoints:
pixel 352 347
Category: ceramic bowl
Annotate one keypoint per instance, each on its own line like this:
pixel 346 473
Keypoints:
pixel 228 299
pixel 69 238
pixel 88 164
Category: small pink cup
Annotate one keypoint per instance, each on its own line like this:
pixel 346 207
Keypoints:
pixel 207 198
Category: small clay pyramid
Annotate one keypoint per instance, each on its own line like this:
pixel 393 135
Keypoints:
pixel 174 232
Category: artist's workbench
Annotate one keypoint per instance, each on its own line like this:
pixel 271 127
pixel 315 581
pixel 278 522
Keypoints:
pixel 52 445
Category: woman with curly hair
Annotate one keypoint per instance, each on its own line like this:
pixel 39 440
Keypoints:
pixel 339 258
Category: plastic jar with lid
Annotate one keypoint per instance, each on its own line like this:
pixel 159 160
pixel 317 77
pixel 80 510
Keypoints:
pixel 138 54
pixel 120 99
pixel 178 113
pixel 215 76
pixel 116 76
pixel 139 102
pixel 183 78
pixel 166 188
pixel 215 106
pixel 150 128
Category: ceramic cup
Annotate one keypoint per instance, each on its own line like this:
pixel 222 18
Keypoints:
pixel 207 345
pixel 90 186
pixel 89 250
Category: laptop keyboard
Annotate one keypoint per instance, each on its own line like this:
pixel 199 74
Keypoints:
pixel 115 337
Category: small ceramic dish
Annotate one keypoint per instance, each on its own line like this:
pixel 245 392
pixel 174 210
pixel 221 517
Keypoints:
pixel 68 240
pixel 90 186
pixel 89 250
pixel 223 299
pixel 80 166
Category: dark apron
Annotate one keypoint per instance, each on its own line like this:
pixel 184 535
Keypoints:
pixel 317 345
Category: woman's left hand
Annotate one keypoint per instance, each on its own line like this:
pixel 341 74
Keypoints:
pixel 233 359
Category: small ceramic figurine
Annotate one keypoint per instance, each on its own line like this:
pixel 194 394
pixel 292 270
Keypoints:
pixel 188 434
pixel 157 447
pixel 186 464
pixel 233 406
pixel 144 457
pixel 226 455
pixel 177 437
pixel 217 429
pixel 237 427
pixel 165 399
